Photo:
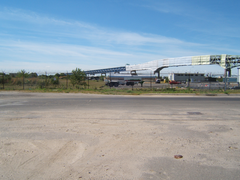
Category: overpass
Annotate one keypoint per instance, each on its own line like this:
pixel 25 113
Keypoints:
pixel 107 70
pixel 225 61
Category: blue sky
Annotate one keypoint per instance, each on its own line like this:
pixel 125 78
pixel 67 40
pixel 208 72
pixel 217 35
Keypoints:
pixel 60 35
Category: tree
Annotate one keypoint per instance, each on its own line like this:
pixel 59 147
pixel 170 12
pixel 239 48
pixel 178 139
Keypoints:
pixel 2 80
pixel 78 77
pixel 57 75
pixel 141 82
pixel 167 80
pixel 62 74
pixel 55 80
pixel 33 74
pixel 23 74
pixel 102 78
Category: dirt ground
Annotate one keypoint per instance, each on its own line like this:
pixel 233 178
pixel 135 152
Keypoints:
pixel 80 136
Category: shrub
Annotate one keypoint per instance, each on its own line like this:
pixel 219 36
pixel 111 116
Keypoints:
pixel 77 77
pixel 55 80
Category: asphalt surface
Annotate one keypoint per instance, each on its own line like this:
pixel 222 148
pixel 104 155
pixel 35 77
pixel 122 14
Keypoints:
pixel 205 130
pixel 165 107
pixel 31 101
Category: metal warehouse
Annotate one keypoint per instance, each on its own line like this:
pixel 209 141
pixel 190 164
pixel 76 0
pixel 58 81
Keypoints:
pixel 183 77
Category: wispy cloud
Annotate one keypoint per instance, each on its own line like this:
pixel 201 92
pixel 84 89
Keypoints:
pixel 41 55
pixel 34 18
pixel 74 29
pixel 166 7
pixel 60 49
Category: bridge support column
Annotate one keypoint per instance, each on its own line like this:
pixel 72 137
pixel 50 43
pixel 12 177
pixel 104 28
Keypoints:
pixel 238 76
pixel 158 75
pixel 158 71
pixel 227 72
pixel 133 72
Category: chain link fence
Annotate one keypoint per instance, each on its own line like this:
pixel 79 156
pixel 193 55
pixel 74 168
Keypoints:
pixel 14 81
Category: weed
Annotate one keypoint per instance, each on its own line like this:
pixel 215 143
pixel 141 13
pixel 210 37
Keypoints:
pixel 226 92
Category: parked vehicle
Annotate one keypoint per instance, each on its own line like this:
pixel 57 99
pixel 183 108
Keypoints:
pixel 174 82
pixel 235 87
pixel 112 83
pixel 129 81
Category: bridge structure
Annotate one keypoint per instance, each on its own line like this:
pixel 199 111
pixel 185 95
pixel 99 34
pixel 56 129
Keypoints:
pixel 107 70
pixel 225 61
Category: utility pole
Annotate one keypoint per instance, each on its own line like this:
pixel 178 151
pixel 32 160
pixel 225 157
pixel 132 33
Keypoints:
pixel 3 79
pixel 23 79
pixel 88 81
pixel 45 78
pixel 210 80
pixel 67 80
pixel 225 80
pixel 110 81
pixel 151 79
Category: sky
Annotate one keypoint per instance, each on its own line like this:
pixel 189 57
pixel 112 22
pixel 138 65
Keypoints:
pixel 60 35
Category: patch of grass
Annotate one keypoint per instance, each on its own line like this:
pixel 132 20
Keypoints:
pixel 97 87
pixel 226 92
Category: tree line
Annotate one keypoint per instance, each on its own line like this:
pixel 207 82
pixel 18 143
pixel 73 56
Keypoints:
pixel 76 77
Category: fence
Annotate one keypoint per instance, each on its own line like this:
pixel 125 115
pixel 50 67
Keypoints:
pixel 10 82
pixel 13 82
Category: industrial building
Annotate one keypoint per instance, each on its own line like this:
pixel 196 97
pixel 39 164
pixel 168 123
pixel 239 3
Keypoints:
pixel 184 77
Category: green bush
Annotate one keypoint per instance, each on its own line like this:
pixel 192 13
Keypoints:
pixel 41 84
pixel 19 83
pixel 55 80
pixel 77 77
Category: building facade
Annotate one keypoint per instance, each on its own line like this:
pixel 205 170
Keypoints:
pixel 184 77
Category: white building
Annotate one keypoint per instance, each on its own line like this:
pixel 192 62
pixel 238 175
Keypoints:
pixel 183 77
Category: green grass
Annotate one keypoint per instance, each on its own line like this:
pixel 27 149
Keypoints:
pixel 113 91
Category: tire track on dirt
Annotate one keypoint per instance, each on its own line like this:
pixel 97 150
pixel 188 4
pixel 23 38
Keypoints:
pixel 64 155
